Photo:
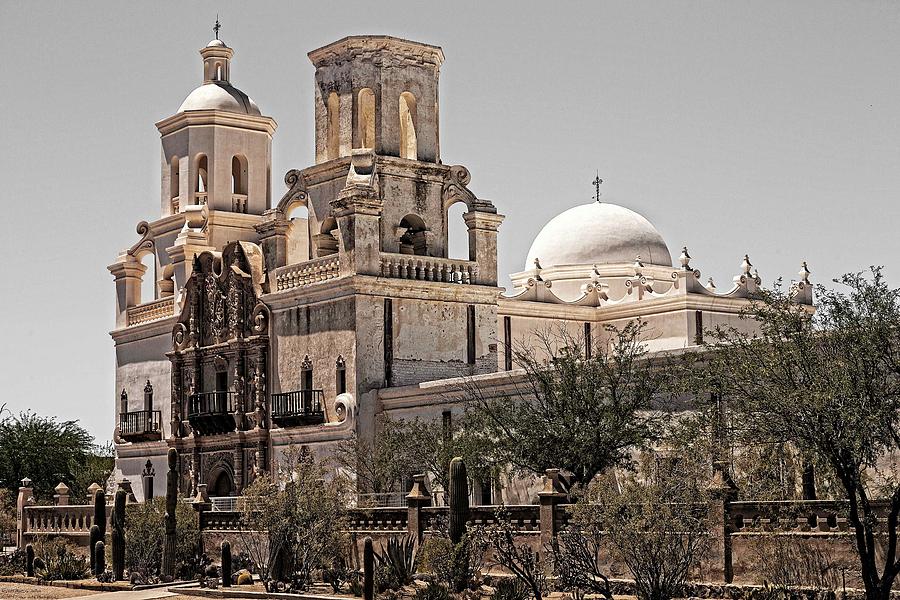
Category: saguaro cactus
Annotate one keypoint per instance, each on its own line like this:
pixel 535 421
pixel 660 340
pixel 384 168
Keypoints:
pixel 368 569
pixel 95 537
pixel 459 499
pixel 168 562
pixel 100 557
pixel 29 560
pixel 226 564
pixel 100 512
pixel 118 536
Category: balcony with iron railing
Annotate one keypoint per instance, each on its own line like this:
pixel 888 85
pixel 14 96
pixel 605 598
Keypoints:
pixel 140 426
pixel 211 412
pixel 300 407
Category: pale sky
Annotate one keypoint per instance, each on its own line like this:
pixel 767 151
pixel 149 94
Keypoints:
pixel 771 128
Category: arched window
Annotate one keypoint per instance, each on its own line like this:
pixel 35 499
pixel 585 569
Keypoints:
pixel 202 181
pixel 457 232
pixel 412 238
pixel 333 146
pixel 218 71
pixel 365 118
pixel 408 144
pixel 298 249
pixel 326 241
pixel 340 376
pixel 239 175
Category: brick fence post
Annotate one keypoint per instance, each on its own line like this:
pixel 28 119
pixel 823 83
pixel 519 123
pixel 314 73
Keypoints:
pixel 553 494
pixel 722 492
pixel 417 499
pixel 25 498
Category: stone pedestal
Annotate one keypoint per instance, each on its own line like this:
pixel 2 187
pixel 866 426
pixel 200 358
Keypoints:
pixel 417 499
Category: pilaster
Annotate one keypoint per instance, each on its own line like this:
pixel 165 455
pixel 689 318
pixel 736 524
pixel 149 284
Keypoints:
pixel 483 228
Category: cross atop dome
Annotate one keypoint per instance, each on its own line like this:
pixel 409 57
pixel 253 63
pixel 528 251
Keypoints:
pixel 597 181
pixel 217 27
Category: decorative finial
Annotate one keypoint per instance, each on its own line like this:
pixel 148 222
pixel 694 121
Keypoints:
pixel 217 26
pixel 537 263
pixel 804 273
pixel 746 265
pixel 597 181
pixel 685 258
pixel 638 266
pixel 710 285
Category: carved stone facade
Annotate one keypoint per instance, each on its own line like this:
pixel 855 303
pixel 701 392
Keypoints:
pixel 299 323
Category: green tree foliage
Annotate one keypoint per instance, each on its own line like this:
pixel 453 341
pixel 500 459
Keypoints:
pixel 828 383
pixel 301 512
pixel 145 533
pixel 581 414
pixel 656 523
pixel 404 448
pixel 46 451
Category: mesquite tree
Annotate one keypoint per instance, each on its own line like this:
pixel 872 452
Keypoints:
pixel 583 405
pixel 829 383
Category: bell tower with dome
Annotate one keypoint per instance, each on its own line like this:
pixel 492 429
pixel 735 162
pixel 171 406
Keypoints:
pixel 217 149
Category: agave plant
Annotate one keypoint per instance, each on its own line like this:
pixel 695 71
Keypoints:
pixel 399 559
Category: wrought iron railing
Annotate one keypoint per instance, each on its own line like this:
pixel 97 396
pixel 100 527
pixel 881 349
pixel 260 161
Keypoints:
pixel 210 403
pixel 300 407
pixel 139 423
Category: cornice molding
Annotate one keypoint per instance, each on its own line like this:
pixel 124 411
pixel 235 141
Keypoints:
pixel 205 118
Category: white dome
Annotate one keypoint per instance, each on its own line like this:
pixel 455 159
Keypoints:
pixel 598 233
pixel 219 96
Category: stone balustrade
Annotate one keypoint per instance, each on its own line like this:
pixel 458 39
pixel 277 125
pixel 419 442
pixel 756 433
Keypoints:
pixel 73 521
pixel 239 203
pixel 151 311
pixel 428 268
pixel 307 273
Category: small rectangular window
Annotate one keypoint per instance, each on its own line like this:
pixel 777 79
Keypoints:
pixel 388 342
pixel 698 326
pixel 507 343
pixel 587 340
pixel 341 383
pixel 470 331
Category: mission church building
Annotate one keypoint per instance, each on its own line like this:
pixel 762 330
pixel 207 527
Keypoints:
pixel 300 321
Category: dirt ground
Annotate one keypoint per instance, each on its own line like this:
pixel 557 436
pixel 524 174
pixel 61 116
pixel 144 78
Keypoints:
pixel 27 591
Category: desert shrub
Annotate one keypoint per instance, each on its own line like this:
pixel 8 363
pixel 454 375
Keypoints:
pixel 510 588
pixel 577 559
pixel 145 536
pixel 12 563
pixel 786 562
pixel 434 591
pixel 399 559
pixel 59 560
pixel 518 558
pixel 338 574
pixel 301 512
pixel 458 566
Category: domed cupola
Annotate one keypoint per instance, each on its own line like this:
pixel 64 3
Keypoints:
pixel 596 242
pixel 216 91
pixel 598 233
pixel 217 149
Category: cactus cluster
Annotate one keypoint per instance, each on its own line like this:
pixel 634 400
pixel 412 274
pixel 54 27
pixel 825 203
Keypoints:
pixel 459 499
pixel 226 564
pixel 168 562
pixel 368 569
pixel 98 530
pixel 29 560
pixel 100 558
pixel 118 536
